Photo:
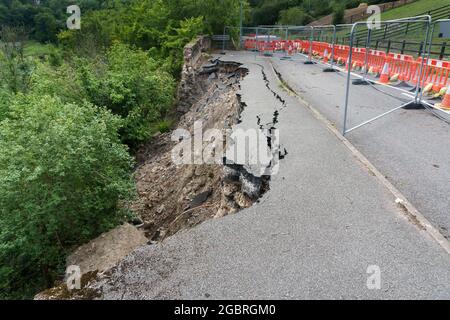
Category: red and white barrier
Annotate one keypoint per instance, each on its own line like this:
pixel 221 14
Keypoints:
pixel 435 75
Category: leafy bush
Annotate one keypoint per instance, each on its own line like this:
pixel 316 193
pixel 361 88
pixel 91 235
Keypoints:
pixel 294 16
pixel 132 85
pixel 62 81
pixel 177 38
pixel 63 176
pixel 338 14
pixel 15 68
pixel 5 98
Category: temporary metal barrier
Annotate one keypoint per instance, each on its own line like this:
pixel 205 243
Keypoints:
pixel 226 36
pixel 333 44
pixel 233 35
pixel 426 19
pixel 271 38
pixel 412 73
pixel 430 44
pixel 310 37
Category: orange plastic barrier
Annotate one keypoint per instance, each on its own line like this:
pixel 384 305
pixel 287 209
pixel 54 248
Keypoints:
pixel 401 65
pixel 435 75
pixel 376 61
pixel 341 53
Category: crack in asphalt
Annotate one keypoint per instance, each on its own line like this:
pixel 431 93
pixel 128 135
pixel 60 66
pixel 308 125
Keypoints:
pixel 271 126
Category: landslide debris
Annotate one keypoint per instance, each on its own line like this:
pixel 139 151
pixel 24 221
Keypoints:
pixel 173 198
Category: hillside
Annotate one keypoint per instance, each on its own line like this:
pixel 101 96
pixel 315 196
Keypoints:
pixel 414 9
pixel 359 13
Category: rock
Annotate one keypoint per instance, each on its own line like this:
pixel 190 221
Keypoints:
pixel 106 251
pixel 231 174
pixel 229 189
pixel 136 221
pixel 200 199
pixel 193 55
pixel 160 209
pixel 250 185
pixel 242 201
pixel 221 213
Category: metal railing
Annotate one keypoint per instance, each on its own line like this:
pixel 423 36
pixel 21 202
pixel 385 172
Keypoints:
pixel 399 30
pixel 383 6
pixel 423 21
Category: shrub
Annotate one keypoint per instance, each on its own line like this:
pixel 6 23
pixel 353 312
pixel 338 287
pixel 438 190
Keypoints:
pixel 15 68
pixel 61 81
pixel 132 85
pixel 338 14
pixel 63 177
pixel 294 16
pixel 5 97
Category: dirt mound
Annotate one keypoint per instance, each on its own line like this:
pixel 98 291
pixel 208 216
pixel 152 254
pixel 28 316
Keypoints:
pixel 171 197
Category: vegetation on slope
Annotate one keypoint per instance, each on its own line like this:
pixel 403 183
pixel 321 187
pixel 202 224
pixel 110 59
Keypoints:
pixel 413 9
pixel 74 105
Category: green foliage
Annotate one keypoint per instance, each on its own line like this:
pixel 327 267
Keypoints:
pixel 5 98
pixel 164 126
pixel 46 26
pixel 15 72
pixel 45 20
pixel 216 14
pixel 15 68
pixel 294 16
pixel 144 24
pixel 132 85
pixel 36 49
pixel 62 81
pixel 177 38
pixel 269 12
pixel 338 14
pixel 63 173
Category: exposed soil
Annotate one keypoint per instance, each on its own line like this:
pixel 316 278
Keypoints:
pixel 173 198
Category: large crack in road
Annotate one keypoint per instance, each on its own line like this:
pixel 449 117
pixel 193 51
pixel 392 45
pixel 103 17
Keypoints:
pixel 272 126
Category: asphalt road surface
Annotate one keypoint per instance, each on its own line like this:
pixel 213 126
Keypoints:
pixel 411 147
pixel 326 219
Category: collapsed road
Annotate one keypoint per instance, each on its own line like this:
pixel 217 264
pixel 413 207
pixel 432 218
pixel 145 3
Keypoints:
pixel 323 225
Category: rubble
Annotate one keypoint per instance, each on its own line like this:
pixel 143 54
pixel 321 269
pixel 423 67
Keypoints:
pixel 176 197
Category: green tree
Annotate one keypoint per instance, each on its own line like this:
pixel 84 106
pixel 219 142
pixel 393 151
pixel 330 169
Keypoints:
pixel 294 16
pixel 176 39
pixel 63 176
pixel 46 26
pixel 338 14
pixel 132 85
pixel 15 68
pixel 62 81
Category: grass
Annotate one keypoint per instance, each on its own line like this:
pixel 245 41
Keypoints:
pixel 416 35
pixel 413 9
pixel 36 49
